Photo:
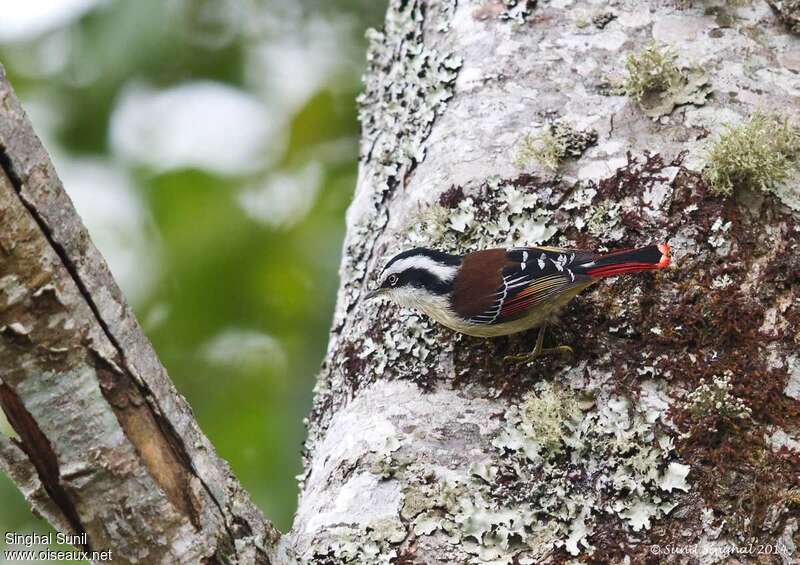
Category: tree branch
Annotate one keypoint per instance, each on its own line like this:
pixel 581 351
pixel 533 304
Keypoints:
pixel 102 431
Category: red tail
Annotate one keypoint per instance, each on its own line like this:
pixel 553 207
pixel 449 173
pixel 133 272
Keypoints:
pixel 629 261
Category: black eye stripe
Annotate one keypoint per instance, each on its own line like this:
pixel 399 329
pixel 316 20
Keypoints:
pixel 422 278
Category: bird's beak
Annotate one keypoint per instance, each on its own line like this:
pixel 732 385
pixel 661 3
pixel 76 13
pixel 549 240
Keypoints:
pixel 373 294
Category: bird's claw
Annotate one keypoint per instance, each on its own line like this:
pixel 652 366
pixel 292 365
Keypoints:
pixel 560 349
pixel 509 358
pixel 527 357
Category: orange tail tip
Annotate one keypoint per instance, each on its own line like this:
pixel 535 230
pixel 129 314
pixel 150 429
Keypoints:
pixel 665 258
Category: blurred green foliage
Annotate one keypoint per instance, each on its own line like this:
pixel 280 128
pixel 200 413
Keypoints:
pixel 238 308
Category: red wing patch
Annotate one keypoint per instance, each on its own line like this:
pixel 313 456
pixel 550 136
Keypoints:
pixel 535 292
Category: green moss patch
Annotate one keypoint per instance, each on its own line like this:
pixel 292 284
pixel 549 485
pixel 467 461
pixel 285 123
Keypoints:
pixel 557 142
pixel 656 82
pixel 758 154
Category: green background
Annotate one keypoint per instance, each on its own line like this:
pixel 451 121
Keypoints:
pixel 236 297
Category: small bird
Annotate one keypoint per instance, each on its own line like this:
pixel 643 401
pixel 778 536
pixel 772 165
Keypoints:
pixel 503 291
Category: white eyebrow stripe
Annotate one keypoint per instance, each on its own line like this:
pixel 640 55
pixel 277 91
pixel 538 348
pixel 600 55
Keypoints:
pixel 443 272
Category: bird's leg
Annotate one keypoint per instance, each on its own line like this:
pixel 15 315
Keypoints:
pixel 539 350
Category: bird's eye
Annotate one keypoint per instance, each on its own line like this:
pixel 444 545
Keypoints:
pixel 393 279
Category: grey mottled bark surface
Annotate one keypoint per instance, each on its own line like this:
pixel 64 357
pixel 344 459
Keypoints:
pixel 675 424
pixel 107 447
pixel 671 435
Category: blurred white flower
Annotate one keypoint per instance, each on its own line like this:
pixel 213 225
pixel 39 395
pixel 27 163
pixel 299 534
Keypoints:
pixel 104 197
pixel 300 57
pixel 42 57
pixel 155 316
pixel 24 19
pixel 284 199
pixel 203 125
pixel 239 348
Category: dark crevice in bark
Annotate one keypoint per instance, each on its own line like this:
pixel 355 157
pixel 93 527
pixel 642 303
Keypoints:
pixel 40 452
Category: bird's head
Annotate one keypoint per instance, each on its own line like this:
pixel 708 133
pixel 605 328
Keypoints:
pixel 417 278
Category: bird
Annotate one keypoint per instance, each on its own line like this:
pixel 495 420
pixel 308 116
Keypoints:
pixel 502 291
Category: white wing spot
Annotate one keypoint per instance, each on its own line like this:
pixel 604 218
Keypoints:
pixel 541 261
pixel 560 262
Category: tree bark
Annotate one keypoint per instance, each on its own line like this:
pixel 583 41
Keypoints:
pixel 670 435
pixel 107 450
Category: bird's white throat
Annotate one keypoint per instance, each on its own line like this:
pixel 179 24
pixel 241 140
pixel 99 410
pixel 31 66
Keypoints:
pixel 432 305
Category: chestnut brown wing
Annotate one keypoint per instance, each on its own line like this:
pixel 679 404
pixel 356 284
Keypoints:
pixel 522 277
pixel 479 277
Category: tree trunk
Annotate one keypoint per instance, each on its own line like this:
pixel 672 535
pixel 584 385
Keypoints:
pixel 670 435
pixel 674 426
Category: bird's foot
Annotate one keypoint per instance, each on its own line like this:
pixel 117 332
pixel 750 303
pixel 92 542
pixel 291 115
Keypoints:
pixel 527 357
